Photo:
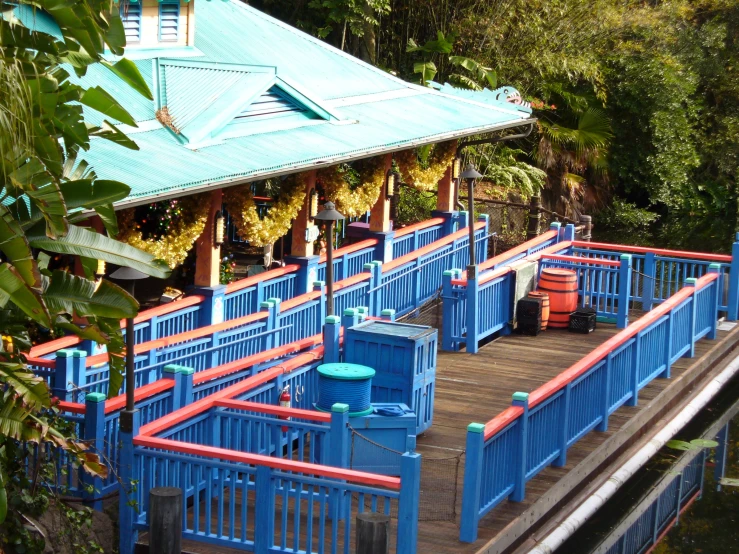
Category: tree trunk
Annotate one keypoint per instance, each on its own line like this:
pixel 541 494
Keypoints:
pixel 368 44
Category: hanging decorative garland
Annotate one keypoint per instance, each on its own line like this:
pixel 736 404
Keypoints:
pixel 239 202
pixel 426 179
pixel 353 202
pixel 186 223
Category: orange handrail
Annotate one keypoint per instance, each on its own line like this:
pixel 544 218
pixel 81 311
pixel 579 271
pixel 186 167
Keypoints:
pixel 419 226
pixel 275 463
pixel 72 407
pixel 269 409
pixel 264 276
pixel 350 249
pixel 581 260
pixel 723 258
pixel 581 366
pixel 140 393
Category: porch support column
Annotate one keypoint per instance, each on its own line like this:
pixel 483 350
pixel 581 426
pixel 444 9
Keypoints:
pixel 380 226
pixel 445 198
pixel 207 254
pixel 305 232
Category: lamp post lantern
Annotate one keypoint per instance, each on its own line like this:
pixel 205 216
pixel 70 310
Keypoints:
pixel 469 175
pixel 130 276
pixel 329 215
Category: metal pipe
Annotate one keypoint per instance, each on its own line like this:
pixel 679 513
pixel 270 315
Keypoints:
pixel 585 511
pixel 471 207
pixel 130 362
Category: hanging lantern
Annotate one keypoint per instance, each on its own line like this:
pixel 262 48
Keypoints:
pixel 390 186
pixel 220 229
pixel 100 270
pixel 456 167
pixel 313 203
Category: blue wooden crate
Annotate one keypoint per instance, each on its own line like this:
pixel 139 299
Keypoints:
pixel 378 441
pixel 404 357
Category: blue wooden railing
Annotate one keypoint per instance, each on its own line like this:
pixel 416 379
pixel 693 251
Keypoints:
pixel 513 447
pixel 412 238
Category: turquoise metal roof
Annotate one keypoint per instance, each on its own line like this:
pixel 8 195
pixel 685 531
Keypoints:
pixel 350 109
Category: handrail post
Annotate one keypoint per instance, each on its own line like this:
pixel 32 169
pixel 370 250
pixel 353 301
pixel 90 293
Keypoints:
pixel 733 305
pixel 264 507
pixel 450 304
pixel 371 297
pixel 521 400
pixel 64 375
pixel 170 372
pixel 534 218
pixel 668 345
pixel 379 292
pixel 95 437
pixel 564 419
pixel 362 313
pixel 557 227
pixel 464 219
pixel 605 394
pixel 270 340
pixel 331 332
pixel 212 308
pixel 634 370
pixel 569 232
pixel 472 310
pixel 691 282
pixel 648 281
pixel 387 315
pixel 129 485
pixel 320 286
pixel 624 291
pixel 350 318
pixel 306 274
pixel 410 490
pixel 472 481
pixel 715 301
pixel 338 452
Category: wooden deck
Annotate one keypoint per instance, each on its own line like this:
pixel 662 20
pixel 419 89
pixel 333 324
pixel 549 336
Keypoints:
pixel 476 387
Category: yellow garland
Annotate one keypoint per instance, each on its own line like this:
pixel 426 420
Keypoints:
pixel 239 202
pixel 426 179
pixel 181 235
pixel 357 201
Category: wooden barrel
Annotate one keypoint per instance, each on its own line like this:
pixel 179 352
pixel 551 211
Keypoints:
pixel 544 297
pixel 561 286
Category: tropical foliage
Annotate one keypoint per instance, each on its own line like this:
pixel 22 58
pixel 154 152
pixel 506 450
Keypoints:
pixel 47 192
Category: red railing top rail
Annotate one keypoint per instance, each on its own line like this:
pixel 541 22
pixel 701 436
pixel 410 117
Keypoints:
pixel 720 258
pixel 41 362
pixel 314 294
pixel 71 407
pixel 596 355
pixel 139 394
pixel 264 276
pixel 430 248
pixel 580 260
pixel 419 226
pixel 212 452
pixel 269 409
pixel 350 249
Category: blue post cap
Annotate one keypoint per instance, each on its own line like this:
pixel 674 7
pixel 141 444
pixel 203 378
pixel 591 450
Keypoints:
pixel 388 312
pixel 476 428
pixel 95 397
pixel 340 408
pixel 691 281
pixel 521 396
pixel 333 319
pixel 64 353
pixel 170 368
pixel 346 372
pixel 351 312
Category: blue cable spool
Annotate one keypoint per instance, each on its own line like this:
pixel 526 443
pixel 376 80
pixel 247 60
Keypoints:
pixel 345 384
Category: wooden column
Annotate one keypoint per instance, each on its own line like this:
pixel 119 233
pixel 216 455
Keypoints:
pixel 445 198
pixel 380 214
pixel 207 254
pixel 303 222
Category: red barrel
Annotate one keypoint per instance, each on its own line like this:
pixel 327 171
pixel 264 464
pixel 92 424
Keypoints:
pixel 561 286
pixel 544 297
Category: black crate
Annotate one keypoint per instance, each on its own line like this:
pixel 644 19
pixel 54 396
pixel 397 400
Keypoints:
pixel 582 321
pixel 528 309
pixel 531 328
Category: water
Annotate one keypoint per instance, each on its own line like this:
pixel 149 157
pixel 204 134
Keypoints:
pixel 711 524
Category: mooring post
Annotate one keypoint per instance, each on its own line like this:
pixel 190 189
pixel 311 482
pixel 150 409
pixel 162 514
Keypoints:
pixel 532 231
pixel 587 228
pixel 373 533
pixel 165 520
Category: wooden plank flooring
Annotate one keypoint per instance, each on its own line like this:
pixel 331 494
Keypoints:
pixel 476 387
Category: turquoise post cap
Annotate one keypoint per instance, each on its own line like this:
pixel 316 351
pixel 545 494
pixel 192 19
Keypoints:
pixel 318 283
pixel 555 224
pixel 626 257
pixel 170 368
pixel 94 397
pixel 387 311
pixel 378 263
pixel 714 266
pixel 65 353
pixel 79 354
pixel 333 319
pixel 346 372
pixel 521 396
pixel 350 312
pixel 362 309
pixel 448 273
pixel 275 300
pixel 476 428
pixel 266 304
pixel 185 370
pixel 369 265
pixel 691 281
pixel 340 408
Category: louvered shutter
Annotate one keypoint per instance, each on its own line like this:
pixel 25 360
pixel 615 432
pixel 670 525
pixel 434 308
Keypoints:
pixel 131 18
pixel 169 21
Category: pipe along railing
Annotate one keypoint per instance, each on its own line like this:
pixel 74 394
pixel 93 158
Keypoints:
pixel 175 370
pixel 536 431
pixel 231 446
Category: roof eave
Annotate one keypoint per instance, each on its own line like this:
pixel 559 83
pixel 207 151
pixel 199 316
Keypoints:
pixel 317 164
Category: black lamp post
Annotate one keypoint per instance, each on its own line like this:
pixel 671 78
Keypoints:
pixel 130 276
pixel 330 216
pixel 469 175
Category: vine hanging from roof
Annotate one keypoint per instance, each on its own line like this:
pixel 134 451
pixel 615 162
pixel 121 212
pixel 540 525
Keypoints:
pixel 426 178
pixel 357 200
pixel 179 225
pixel 239 202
